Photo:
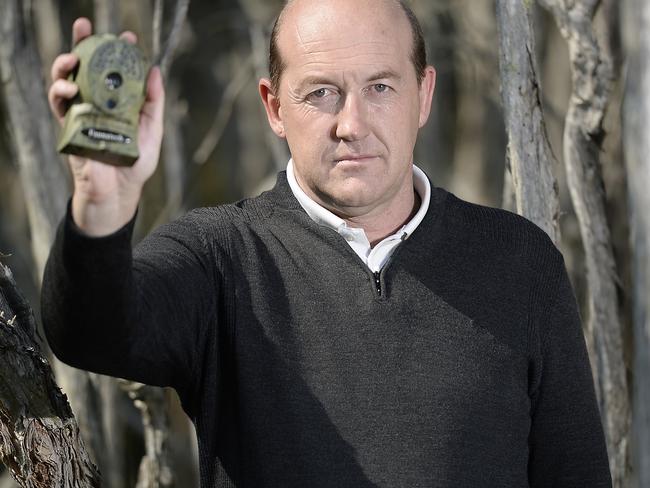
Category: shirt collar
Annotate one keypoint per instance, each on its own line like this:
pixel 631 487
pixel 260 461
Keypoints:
pixel 321 215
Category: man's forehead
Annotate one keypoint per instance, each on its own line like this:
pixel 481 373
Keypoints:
pixel 302 6
pixel 312 26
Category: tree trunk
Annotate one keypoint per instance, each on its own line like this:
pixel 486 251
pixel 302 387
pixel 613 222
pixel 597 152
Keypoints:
pixel 39 437
pixel 583 135
pixel 173 145
pixel 637 145
pixel 44 184
pixel 41 169
pixel 529 154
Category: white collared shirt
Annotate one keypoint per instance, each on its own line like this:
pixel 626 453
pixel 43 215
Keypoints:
pixel 374 257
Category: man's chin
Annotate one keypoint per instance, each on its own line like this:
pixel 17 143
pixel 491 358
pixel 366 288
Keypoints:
pixel 351 201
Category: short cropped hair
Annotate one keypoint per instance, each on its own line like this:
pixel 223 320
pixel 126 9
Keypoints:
pixel 418 52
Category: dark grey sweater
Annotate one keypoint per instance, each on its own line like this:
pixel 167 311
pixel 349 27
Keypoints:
pixel 466 368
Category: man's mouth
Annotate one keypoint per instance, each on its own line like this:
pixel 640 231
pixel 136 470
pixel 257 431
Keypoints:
pixel 359 158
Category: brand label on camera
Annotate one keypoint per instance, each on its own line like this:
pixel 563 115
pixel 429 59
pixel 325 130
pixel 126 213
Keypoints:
pixel 106 135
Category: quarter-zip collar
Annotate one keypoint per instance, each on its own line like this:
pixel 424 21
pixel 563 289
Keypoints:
pixel 374 257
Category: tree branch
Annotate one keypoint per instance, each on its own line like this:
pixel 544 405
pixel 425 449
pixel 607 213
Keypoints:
pixel 230 94
pixel 165 55
pixel 583 135
pixel 158 14
pixel 155 470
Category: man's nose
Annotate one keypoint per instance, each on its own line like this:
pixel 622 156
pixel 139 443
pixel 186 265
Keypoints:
pixel 352 123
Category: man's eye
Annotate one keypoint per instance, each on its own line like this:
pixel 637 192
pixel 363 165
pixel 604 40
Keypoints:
pixel 381 88
pixel 320 93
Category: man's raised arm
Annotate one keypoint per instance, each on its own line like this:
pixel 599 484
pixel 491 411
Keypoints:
pixel 105 310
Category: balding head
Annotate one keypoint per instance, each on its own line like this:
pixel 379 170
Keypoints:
pixel 349 102
pixel 418 49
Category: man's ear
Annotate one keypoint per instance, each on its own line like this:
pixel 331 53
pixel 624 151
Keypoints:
pixel 427 86
pixel 272 105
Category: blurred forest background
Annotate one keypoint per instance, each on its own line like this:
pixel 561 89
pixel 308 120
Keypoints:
pixel 218 148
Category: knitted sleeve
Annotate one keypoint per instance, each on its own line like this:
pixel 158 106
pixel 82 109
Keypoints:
pixel 567 445
pixel 138 315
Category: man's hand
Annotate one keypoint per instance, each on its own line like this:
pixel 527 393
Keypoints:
pixel 106 197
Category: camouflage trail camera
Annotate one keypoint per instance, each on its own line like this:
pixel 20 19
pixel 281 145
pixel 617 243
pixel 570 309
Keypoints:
pixel 102 122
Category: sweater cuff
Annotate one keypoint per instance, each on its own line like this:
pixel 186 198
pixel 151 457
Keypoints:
pixel 87 253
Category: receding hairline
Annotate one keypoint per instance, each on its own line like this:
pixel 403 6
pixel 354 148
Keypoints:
pixel 277 65
pixel 289 3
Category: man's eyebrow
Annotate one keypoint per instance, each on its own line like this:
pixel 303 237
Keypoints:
pixel 384 75
pixel 315 80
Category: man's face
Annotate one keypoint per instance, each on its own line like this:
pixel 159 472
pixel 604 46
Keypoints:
pixel 349 102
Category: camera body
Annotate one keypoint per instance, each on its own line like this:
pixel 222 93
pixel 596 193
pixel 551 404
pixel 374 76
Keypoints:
pixel 102 121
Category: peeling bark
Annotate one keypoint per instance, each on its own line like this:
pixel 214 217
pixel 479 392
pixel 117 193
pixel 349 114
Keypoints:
pixel 39 437
pixel 529 154
pixel 591 76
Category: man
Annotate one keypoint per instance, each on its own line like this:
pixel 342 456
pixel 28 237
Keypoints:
pixel 352 327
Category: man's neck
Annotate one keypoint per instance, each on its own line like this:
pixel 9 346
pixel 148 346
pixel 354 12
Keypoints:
pixel 404 209
pixel 385 222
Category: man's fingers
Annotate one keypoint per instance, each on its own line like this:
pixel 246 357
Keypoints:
pixel 81 28
pixel 60 93
pixel 155 90
pixel 63 65
pixel 129 36
pixel 154 102
pixel 64 89
pixel 151 116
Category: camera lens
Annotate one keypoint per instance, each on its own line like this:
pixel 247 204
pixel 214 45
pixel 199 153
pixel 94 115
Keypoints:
pixel 113 81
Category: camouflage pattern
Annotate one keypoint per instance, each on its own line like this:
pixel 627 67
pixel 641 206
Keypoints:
pixel 102 122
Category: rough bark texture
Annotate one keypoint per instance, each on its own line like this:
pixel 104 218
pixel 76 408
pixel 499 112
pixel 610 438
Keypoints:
pixel 637 144
pixel 39 437
pixel 44 184
pixel 529 153
pixel 591 75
